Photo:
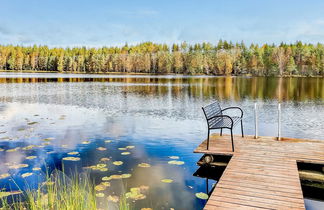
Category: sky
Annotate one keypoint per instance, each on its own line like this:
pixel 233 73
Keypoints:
pixel 95 23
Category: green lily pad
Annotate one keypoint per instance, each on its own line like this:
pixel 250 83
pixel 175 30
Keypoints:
pixel 144 165
pixel 125 176
pixel 118 163
pixel 176 162
pixel 202 195
pixel 16 166
pixel 166 180
pixel 122 148
pixel 125 153
pixel 113 198
pixel 86 142
pixel 104 159
pixel 36 169
pixel 130 147
pixel 100 187
pixel 101 149
pixel 31 157
pixel 72 158
pixel 73 153
pixel 100 195
pixel 24 175
pixel 5 175
pixel 174 157
pixel 135 194
pixel 108 141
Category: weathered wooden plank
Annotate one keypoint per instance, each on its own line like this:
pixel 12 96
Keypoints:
pixel 262 173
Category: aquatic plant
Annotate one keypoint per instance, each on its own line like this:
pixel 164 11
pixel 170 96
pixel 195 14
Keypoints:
pixel 59 191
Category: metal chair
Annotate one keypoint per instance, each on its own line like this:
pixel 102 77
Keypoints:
pixel 217 120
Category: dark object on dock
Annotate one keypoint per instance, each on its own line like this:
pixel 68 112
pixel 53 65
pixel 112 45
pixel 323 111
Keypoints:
pixel 217 120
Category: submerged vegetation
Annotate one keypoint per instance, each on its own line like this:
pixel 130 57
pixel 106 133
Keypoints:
pixel 224 58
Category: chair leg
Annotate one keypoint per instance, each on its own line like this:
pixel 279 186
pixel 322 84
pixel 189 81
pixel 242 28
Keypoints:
pixel 221 133
pixel 232 140
pixel 242 128
pixel 208 140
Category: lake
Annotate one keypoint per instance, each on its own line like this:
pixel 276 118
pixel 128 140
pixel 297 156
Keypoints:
pixel 135 125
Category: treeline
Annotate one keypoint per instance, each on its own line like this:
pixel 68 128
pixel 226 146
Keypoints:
pixel 224 58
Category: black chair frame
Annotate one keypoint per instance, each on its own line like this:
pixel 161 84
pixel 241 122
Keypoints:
pixel 217 120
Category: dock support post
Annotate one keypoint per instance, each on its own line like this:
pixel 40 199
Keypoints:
pixel 279 121
pixel 256 120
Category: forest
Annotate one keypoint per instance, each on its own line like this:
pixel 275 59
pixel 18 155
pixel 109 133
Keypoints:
pixel 223 58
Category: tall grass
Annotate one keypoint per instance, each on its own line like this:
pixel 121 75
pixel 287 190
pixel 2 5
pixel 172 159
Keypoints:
pixel 59 192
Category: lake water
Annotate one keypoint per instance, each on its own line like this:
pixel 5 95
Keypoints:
pixel 138 119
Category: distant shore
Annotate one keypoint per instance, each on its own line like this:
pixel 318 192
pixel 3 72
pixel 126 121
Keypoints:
pixel 146 74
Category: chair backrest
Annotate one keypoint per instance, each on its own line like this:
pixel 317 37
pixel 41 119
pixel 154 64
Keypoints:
pixel 212 110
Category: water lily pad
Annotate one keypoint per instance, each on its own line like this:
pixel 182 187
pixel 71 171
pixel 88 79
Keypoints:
pixel 166 180
pixel 73 153
pixel 31 157
pixel 104 159
pixel 130 147
pixel 100 195
pixel 100 187
pixel 5 175
pixel 118 163
pixel 176 162
pixel 125 153
pixel 86 142
pixel 202 195
pixel 107 184
pixel 125 176
pixel 144 165
pixel 108 141
pixel 135 194
pixel 1 149
pixel 106 178
pixel 116 176
pixel 122 148
pixel 99 167
pixel 48 139
pixel 71 158
pixel 32 123
pixel 29 147
pixel 26 175
pixel 13 149
pixel 101 149
pixel 16 166
pixel 174 157
pixel 36 169
pixel 113 198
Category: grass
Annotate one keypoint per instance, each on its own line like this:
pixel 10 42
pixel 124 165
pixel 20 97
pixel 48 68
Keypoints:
pixel 60 192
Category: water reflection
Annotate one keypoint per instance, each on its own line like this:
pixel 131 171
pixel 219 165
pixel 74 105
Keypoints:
pixel 160 116
pixel 229 88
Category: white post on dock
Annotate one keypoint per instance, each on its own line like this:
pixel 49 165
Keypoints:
pixel 279 121
pixel 256 120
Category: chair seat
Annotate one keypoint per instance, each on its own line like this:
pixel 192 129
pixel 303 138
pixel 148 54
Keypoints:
pixel 223 122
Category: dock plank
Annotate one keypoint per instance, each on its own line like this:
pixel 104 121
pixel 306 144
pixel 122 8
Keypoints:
pixel 262 173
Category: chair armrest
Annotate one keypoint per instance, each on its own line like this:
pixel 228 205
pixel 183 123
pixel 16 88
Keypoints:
pixel 234 107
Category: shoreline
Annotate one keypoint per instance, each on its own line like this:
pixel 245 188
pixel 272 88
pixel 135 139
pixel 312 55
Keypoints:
pixel 151 74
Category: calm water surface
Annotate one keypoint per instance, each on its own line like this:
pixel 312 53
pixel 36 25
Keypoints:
pixel 97 116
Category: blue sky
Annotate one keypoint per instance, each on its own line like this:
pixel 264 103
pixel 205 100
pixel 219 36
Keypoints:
pixel 105 22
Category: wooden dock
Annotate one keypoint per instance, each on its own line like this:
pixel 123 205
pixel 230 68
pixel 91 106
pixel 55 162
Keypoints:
pixel 262 173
